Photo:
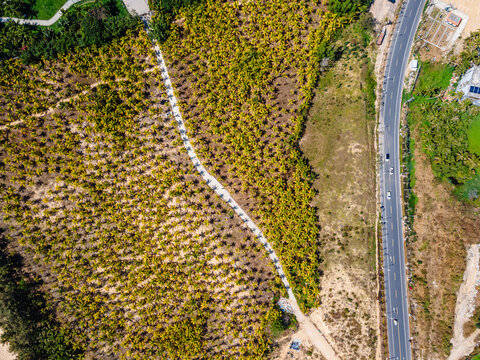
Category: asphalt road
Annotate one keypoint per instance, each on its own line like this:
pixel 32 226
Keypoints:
pixel 393 243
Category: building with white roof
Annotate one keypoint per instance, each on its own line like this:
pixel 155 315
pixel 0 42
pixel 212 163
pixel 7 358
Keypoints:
pixel 469 85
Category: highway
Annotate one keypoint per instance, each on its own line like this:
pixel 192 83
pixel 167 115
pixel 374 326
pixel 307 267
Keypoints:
pixel 390 189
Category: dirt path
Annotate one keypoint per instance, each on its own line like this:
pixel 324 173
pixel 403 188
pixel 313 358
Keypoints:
pixel 314 335
pixel 466 306
pixel 51 109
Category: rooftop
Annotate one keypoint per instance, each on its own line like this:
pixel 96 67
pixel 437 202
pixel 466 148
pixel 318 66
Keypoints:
pixel 469 84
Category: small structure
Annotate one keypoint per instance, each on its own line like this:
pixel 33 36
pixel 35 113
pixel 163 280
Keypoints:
pixel 285 305
pixel 295 345
pixel 469 85
pixel 413 65
pixel 453 19
pixel 381 37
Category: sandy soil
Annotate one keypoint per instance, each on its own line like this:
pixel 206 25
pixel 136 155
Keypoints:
pixel 444 229
pixel 472 9
pixel 382 10
pixel 465 307
pixel 5 353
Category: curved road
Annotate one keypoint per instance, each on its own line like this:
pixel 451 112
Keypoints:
pixel 48 22
pixel 390 189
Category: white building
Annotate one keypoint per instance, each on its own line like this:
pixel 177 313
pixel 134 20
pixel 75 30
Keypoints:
pixel 469 85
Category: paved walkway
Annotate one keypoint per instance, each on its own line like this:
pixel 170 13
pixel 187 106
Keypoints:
pixel 140 7
pixel 134 7
pixel 48 22
pixel 314 334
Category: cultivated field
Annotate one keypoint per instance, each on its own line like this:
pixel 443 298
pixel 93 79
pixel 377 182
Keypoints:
pixel 244 73
pixel 138 256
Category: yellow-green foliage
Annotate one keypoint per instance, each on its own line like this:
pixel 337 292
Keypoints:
pixel 135 251
pixel 245 72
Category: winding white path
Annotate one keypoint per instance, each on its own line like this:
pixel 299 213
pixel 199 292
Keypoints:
pixel 141 7
pixel 48 22
pixel 315 336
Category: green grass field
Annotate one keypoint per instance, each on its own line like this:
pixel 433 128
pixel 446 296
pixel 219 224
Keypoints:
pixel 434 77
pixel 474 136
pixel 47 8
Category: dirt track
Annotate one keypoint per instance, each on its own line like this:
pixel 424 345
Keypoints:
pixel 465 307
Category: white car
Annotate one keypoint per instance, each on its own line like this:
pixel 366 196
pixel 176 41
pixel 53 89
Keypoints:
pixel 391 171
pixel 389 195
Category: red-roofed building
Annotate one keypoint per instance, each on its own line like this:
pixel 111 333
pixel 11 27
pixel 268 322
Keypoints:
pixel 453 19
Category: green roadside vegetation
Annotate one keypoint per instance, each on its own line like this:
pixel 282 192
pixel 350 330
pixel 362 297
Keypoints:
pixel 84 24
pixel 45 9
pixel 434 78
pixel 447 130
pixel 444 168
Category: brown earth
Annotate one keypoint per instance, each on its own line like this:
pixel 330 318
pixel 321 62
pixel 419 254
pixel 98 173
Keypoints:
pixel 339 143
pixel 436 256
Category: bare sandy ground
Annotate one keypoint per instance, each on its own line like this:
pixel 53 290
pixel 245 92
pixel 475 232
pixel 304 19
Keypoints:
pixel 5 353
pixel 466 306
pixel 383 10
pixel 472 9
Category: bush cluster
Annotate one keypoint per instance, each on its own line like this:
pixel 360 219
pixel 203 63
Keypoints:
pixel 92 24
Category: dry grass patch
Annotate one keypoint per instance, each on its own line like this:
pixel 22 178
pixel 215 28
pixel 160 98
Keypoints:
pixel 339 144
pixel 443 227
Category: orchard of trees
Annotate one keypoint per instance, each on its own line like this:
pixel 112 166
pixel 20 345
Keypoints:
pixel 138 258
pixel 94 23
pixel 135 254
pixel 245 73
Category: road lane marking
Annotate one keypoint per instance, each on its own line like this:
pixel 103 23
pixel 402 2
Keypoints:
pixel 395 292
pixel 395 276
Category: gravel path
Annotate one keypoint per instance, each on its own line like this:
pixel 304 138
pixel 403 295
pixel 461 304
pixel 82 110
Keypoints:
pixel 465 307
pixel 48 22
pixel 315 336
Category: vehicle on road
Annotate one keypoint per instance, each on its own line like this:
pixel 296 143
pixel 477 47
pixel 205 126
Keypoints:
pixel 389 195
pixel 395 321
pixel 391 171
pixel 387 157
